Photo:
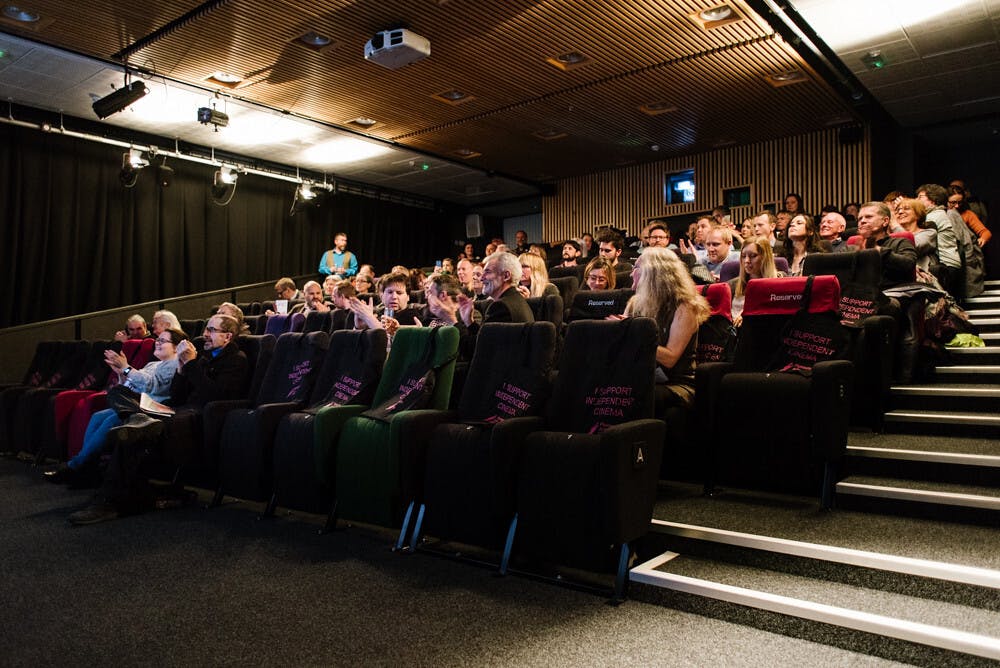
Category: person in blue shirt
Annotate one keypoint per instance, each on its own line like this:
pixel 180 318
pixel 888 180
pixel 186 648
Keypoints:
pixel 338 261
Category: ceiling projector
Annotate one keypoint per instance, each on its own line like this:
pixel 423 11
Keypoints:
pixel 396 48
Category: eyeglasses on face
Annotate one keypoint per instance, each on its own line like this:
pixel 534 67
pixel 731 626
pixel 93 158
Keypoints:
pixel 213 330
pixel 162 342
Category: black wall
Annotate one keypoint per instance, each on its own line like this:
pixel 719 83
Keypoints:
pixel 73 239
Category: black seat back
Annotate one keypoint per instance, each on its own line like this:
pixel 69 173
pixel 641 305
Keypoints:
pixel 605 375
pixel 293 368
pixel 352 368
pixel 548 308
pixel 599 304
pixel 510 368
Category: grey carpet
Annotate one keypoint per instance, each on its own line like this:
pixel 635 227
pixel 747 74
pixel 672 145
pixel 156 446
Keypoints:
pixel 197 587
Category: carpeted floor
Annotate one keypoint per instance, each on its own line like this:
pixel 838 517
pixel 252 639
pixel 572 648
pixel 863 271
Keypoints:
pixel 217 587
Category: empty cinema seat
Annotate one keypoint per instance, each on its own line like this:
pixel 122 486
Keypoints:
pixel 548 308
pixel 371 456
pixel 303 464
pixel 471 454
pixel 586 481
pixel 798 431
pixel 245 443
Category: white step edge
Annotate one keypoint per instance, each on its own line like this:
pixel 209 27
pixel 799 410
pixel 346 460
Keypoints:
pixel 976 419
pixel 971 575
pixel 920 495
pixel 945 390
pixel 924 634
pixel 989 336
pixel 988 461
pixel 961 350
pixel 977 369
pixel 983 322
pixel 985 312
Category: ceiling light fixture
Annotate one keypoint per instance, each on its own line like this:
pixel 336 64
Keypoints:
pixel 120 99
pixel 785 78
pixel 569 60
pixel 15 13
pixel 224 79
pixel 657 108
pixel 363 121
pixel 453 96
pixel 549 134
pixel 314 40
pixel 714 17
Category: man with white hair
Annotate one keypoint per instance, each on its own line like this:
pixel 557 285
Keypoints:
pixel 831 225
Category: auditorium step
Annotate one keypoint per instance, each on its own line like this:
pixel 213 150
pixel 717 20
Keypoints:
pixel 920 611
pixel 967 373
pixel 984 324
pixel 974 356
pixel 920 496
pixel 946 397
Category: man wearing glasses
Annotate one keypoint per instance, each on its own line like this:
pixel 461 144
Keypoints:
pixel 221 371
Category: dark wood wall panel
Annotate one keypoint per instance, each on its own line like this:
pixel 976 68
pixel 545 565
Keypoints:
pixel 818 165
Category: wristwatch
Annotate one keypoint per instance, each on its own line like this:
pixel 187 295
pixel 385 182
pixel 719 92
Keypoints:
pixel 126 371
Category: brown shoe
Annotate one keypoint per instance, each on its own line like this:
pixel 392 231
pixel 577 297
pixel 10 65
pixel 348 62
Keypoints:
pixel 94 513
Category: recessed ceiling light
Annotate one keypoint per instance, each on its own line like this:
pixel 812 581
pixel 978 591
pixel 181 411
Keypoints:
pixel 786 77
pixel 569 60
pixel 467 153
pixel 16 13
pixel 363 121
pixel 548 134
pixel 657 108
pixel 314 40
pixel 713 17
pixel 224 79
pixel 453 96
pixel 717 13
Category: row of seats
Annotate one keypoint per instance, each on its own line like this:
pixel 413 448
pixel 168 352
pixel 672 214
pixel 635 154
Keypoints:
pixel 521 451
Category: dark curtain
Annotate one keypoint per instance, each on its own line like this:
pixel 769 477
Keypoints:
pixel 74 239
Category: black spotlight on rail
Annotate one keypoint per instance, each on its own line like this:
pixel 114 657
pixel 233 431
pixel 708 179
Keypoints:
pixel 132 162
pixel 224 184
pixel 120 99
pixel 309 194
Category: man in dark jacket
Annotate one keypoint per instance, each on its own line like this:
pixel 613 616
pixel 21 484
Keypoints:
pixel 220 372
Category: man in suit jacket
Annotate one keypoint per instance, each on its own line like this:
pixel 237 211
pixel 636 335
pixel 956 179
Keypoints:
pixel 501 272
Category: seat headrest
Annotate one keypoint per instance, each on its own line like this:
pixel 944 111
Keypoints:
pixel 783 296
pixel 720 299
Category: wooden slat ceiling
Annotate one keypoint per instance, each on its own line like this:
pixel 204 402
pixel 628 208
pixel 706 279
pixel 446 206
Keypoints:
pixel 640 51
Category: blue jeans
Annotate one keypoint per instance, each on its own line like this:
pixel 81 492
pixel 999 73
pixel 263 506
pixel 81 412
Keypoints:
pixel 100 424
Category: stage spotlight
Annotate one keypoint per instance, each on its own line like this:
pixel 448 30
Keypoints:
pixel 226 176
pixel 306 195
pixel 224 185
pixel 132 162
pixel 120 99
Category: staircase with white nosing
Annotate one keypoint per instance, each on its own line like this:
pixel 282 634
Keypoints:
pixel 851 577
pixel 952 462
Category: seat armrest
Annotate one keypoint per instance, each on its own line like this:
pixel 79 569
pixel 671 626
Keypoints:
pixel 631 454
pixel 831 391
pixel 506 442
pixel 411 431
pixel 329 423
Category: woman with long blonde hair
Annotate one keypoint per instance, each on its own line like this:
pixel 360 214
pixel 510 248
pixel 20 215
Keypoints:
pixel 534 277
pixel 665 292
pixel 756 261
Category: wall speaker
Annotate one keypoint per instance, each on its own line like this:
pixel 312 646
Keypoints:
pixel 473 226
